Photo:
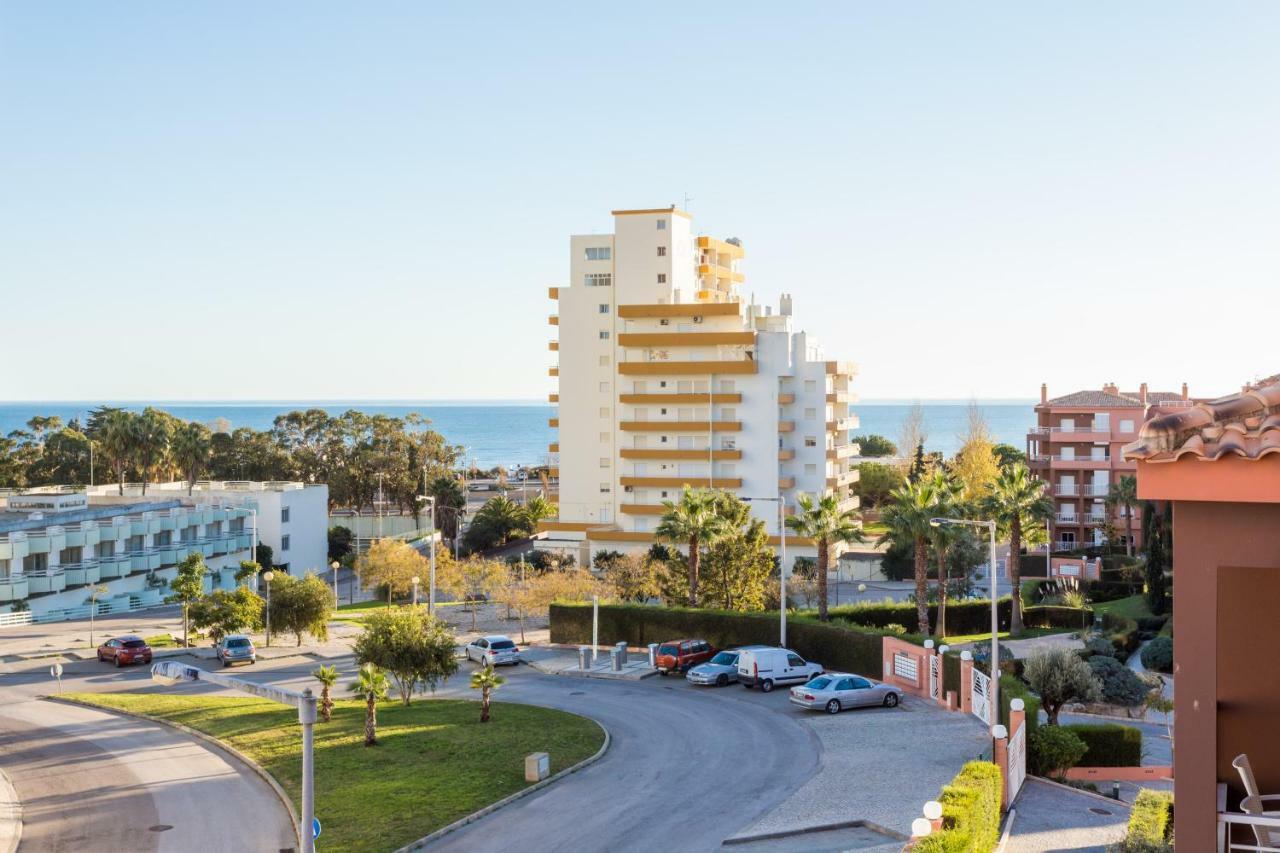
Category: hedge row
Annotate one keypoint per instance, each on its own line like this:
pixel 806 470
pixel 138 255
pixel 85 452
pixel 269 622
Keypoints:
pixel 1151 819
pixel 970 812
pixel 1109 744
pixel 1072 618
pixel 836 646
pixel 963 617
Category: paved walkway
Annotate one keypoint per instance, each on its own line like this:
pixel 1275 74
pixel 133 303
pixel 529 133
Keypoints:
pixel 1057 819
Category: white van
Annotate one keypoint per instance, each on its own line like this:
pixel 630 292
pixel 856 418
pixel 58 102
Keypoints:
pixel 770 666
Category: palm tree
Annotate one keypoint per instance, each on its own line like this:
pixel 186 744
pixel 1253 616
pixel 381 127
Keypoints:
pixel 448 493
pixel 327 676
pixel 694 521
pixel 119 441
pixel 154 432
pixel 486 681
pixel 906 518
pixel 1125 493
pixel 372 685
pixel 1017 503
pixel 192 443
pixel 537 509
pixel 501 516
pixel 947 497
pixel 825 523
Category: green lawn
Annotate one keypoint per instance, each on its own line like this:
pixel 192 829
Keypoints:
pixel 872 529
pixel 161 641
pixel 1134 607
pixel 1004 635
pixel 434 763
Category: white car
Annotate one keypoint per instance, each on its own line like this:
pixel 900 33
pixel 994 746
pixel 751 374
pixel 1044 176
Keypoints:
pixel 771 666
pixel 493 650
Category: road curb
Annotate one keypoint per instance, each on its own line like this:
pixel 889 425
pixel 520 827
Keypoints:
pixel 1085 791
pixel 1008 828
pixel 889 834
pixel 511 798
pixel 225 748
pixel 10 815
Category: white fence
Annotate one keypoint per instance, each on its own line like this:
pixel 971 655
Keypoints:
pixel 981 696
pixel 906 666
pixel 1017 773
pixel 935 677
pixel 7 619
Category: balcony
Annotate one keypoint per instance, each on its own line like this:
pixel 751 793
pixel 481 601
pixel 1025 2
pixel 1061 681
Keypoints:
pixel 13 588
pixel 45 580
pixel 554 319
pixel 642 509
pixel 554 370
pixel 81 573
pixel 675 399
pixel 1087 490
pixel 843 451
pixel 114 566
pixel 786 426
pixel 680 426
pixel 685 339
pixel 660 453
pixel 843 424
pixel 786 399
pixel 553 422
pixel 786 482
pixel 679 482
pixel 553 398
pixel 1080 463
pixel 844 479
pixel 554 346
pixel 723 309
pixel 686 368
pixel 786 454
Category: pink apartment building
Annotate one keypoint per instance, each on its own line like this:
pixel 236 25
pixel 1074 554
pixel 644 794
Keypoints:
pixel 1075 448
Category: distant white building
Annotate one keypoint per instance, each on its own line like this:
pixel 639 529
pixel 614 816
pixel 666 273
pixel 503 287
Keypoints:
pixel 668 377
pixel 57 542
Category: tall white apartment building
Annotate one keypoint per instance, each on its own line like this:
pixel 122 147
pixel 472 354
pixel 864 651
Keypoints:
pixel 668 377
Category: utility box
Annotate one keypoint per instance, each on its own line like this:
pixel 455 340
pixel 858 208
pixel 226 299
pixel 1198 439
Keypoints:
pixel 537 767
pixel 584 657
pixel 617 657
pixel 622 650
pixel 653 654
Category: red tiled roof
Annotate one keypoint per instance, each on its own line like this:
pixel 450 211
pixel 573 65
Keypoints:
pixel 1245 424
pixel 1097 399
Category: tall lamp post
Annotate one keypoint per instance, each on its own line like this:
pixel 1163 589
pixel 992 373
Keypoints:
pixel 430 500
pixel 995 621
pixel 267 576
pixel 335 565
pixel 415 579
pixel 781 501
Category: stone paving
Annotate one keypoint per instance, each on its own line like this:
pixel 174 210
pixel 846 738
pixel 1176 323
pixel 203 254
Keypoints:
pixel 1056 819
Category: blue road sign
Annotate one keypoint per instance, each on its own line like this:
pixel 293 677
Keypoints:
pixel 315 828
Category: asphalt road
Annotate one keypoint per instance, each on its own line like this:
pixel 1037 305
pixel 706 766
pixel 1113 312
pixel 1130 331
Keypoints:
pixel 92 781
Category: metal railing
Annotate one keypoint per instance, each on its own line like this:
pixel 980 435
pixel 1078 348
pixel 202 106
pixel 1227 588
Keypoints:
pixel 1057 457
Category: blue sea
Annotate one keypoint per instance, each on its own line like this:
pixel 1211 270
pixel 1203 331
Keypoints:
pixel 515 432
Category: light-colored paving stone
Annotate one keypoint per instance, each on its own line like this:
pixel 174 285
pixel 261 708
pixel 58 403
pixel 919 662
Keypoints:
pixel 1057 819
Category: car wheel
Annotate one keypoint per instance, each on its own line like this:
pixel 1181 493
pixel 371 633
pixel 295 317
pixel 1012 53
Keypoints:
pixel 662 672
pixel 891 701
pixel 226 663
pixel 722 680
pixel 766 686
pixel 833 707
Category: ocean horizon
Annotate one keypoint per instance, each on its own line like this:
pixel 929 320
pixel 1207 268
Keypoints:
pixel 514 432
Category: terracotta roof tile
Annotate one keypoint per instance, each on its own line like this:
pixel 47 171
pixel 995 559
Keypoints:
pixel 1100 399
pixel 1245 424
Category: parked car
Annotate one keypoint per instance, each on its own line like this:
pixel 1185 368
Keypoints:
pixel 681 655
pixel 835 691
pixel 493 650
pixel 770 666
pixel 722 669
pixel 127 649
pixel 235 648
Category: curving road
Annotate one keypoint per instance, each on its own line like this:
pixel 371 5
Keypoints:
pixel 93 781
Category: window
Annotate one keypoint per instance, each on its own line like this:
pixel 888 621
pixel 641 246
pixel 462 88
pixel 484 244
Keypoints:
pixel 1126 426
pixel 795 660
pixel 137 543
pixel 604 387
pixel 605 488
pixel 604 411
pixel 844 684
pixel 810 385
pixel 598 279
pixel 810 414
pixel 810 469
pixel 810 441
pixel 662 278
pixel 164 537
pixel 284 542
pixel 860 683
pixel 74 554
pixel 662 251
pixel 662 225
pixel 4 568
pixel 599 253
pixel 604 438
pixel 728 414
pixel 35 563
pixel 604 308
pixel 105 549
pixel 604 361
pixel 237 525
pixel 284 515
pixel 604 334
pixel 727 386
pixel 604 461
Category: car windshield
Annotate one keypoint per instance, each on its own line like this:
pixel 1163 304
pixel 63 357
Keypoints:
pixel 668 650
pixel 503 644
pixel 819 683
pixel 238 643
pixel 135 644
pixel 725 659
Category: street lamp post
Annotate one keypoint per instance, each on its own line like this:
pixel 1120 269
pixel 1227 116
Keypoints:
pixel 995 621
pixel 94 592
pixel 415 580
pixel 781 501
pixel 267 576
pixel 335 565
pixel 431 578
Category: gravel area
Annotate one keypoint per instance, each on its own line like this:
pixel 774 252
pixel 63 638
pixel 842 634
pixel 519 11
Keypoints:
pixel 879 765
pixel 1056 818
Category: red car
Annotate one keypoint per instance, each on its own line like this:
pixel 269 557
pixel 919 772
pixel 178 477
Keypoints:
pixel 127 649
pixel 680 655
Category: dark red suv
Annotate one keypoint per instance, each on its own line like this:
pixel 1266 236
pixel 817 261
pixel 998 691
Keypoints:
pixel 679 655
pixel 122 650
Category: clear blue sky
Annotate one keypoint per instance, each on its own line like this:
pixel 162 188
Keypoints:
pixel 296 200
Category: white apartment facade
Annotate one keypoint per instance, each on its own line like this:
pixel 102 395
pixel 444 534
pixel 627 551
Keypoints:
pixel 667 378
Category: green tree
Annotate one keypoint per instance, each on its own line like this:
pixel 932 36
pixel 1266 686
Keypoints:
pixel 477 580
pixel 393 564
pixel 1124 493
pixel 535 511
pixel 694 521
pixel 1158 550
pixel 874 445
pixel 451 502
pixel 340 542
pixel 486 681
pixel 415 647
pixel 1017 503
pixel 187 588
pixel 301 606
pixel 875 481
pixel 1008 456
pixel 629 577
pixel 153 434
pixel 118 442
pixel 264 556
pixel 496 523
pixel 975 466
pixel 248 570
pixel 191 449
pixel 944 537
pixel 738 566
pixel 1060 676
pixel 825 523
pixel 224 612
pixel 371 685
pixel 327 676
pixel 906 519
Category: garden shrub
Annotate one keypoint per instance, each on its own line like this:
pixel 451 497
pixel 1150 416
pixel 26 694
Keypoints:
pixel 836 646
pixel 1104 590
pixel 1097 645
pixel 1067 618
pixel 1053 750
pixel 1120 685
pixel 1013 688
pixel 1108 744
pixel 951 673
pixel 1150 823
pixel 1157 655
pixel 963 617
pixel 1152 623
pixel 1123 633
pixel 970 812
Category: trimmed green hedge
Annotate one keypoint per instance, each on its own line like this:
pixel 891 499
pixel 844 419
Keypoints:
pixel 951 673
pixel 836 646
pixel 1109 744
pixel 1151 819
pixel 1070 618
pixel 963 617
pixel 970 812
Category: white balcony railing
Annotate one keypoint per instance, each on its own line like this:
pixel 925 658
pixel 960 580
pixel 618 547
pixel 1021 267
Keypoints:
pixel 1060 458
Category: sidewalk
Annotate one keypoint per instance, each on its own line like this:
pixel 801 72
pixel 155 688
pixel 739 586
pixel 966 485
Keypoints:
pixel 1053 817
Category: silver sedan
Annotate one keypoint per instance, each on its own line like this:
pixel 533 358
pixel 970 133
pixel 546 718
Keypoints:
pixel 835 691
